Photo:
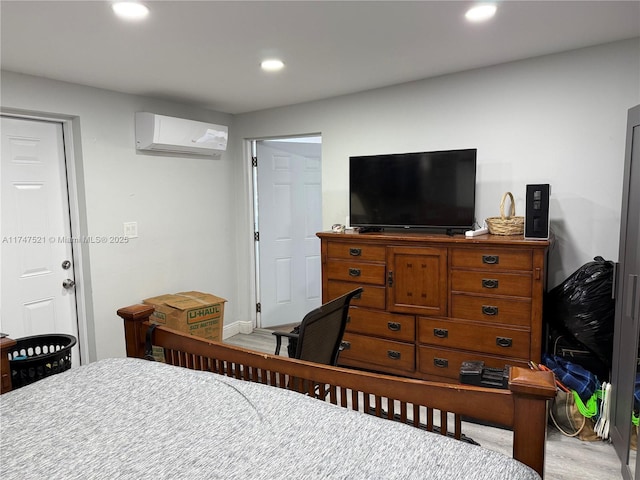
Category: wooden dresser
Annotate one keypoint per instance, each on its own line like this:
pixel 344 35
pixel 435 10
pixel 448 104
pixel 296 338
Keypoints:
pixel 432 301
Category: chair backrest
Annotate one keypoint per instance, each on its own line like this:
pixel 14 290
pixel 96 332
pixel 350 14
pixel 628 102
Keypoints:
pixel 321 330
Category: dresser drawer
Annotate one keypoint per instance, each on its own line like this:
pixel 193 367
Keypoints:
pixel 444 362
pixel 356 251
pixel 382 324
pixel 378 352
pixel 491 309
pixel 491 283
pixel 372 296
pixel 485 338
pixel 491 259
pixel 351 271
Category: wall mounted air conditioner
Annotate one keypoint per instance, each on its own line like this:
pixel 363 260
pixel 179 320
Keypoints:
pixel 178 135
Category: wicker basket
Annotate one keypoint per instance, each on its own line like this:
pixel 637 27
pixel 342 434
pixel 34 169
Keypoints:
pixel 506 224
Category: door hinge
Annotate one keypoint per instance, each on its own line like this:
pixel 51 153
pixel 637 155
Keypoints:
pixel 256 236
pixel 254 161
pixel 258 307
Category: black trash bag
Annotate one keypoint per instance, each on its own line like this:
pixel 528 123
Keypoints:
pixel 583 306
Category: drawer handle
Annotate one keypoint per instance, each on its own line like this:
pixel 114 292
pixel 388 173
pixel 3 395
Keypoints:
pixel 345 345
pixel 441 332
pixel 355 252
pixel 441 362
pixel 504 342
pixel 491 259
pixel 354 272
pixel 393 355
pixel 394 326
pixel 489 310
pixel 489 283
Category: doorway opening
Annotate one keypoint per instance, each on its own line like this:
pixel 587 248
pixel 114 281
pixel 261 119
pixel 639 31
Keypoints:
pixel 287 208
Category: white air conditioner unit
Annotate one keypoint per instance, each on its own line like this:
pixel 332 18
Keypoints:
pixel 178 135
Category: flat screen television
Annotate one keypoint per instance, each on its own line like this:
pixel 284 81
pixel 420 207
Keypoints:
pixel 428 190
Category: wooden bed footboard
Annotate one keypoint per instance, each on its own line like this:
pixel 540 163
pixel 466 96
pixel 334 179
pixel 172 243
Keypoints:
pixel 522 408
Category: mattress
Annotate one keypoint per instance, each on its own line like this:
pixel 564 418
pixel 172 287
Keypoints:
pixel 135 419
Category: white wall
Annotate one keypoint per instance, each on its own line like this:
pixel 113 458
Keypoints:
pixel 182 205
pixel 557 119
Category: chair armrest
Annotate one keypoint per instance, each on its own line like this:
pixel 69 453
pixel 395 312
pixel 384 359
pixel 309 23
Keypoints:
pixel 285 334
pixel 279 336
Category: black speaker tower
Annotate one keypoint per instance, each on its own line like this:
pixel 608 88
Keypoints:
pixel 536 219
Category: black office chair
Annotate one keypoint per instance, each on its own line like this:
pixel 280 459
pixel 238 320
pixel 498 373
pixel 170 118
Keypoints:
pixel 320 332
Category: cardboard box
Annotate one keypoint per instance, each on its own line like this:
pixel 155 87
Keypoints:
pixel 195 313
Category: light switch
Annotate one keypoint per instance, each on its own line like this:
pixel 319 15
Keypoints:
pixel 131 229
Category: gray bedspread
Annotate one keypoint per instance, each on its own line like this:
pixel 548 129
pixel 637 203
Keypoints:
pixel 133 419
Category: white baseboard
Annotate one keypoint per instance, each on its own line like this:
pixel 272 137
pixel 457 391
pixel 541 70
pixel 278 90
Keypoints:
pixel 237 327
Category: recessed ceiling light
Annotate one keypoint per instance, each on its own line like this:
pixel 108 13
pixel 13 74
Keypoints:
pixel 480 13
pixel 272 65
pixel 130 10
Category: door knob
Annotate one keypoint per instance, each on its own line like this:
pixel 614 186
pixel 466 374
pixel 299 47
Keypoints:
pixel 68 283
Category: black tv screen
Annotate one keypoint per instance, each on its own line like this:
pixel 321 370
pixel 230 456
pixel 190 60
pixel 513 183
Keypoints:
pixel 413 190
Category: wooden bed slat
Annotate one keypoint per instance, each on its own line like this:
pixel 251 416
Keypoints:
pixel 443 422
pixel 354 400
pixel 343 396
pixel 403 412
pixel 391 408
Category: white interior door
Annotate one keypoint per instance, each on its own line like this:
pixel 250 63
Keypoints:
pixel 36 249
pixel 289 216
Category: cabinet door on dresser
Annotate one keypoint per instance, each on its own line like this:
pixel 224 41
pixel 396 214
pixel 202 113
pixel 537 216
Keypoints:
pixel 417 280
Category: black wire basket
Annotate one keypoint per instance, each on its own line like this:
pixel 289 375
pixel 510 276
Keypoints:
pixel 39 356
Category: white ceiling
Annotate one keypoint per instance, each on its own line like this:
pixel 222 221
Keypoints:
pixel 208 52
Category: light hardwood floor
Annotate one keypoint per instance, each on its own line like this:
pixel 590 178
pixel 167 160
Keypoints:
pixel 566 458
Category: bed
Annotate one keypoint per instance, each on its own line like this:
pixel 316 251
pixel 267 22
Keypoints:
pixel 258 416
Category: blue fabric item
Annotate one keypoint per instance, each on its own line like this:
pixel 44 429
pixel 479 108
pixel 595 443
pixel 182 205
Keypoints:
pixel 636 393
pixel 573 376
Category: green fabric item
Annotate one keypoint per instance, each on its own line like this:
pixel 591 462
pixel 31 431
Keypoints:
pixel 591 408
